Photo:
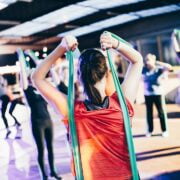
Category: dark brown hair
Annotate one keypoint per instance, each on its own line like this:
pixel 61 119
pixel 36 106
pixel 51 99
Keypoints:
pixel 92 69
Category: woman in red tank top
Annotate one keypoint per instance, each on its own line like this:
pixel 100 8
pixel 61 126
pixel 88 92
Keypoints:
pixel 99 120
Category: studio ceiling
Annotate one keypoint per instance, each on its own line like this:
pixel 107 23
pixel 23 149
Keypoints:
pixel 35 23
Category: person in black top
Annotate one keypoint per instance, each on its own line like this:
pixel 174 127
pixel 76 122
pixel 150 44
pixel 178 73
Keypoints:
pixel 42 127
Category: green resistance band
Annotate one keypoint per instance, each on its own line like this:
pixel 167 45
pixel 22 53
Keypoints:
pixel 23 59
pixel 72 125
pixel 125 113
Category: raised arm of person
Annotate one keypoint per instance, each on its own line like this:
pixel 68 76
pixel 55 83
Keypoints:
pixel 165 66
pixel 23 73
pixel 176 43
pixel 36 61
pixel 50 93
pixel 133 74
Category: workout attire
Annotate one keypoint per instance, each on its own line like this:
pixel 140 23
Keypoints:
pixel 12 107
pixel 62 88
pixel 153 92
pixel 5 101
pixel 102 139
pixel 42 127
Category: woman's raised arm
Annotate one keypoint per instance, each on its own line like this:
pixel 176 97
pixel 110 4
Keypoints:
pixel 133 74
pixel 48 91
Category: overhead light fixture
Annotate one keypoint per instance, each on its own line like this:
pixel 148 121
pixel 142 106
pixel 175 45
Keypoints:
pixel 26 0
pixel 120 19
pixel 45 49
pixel 104 4
pixel 65 14
pixel 36 53
pixel 8 1
pixel 157 11
pixel 26 29
pixel 3 5
pixel 49 20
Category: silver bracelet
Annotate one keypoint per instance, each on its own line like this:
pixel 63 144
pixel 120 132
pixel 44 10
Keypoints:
pixel 117 48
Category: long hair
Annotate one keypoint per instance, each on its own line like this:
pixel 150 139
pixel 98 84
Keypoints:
pixel 92 68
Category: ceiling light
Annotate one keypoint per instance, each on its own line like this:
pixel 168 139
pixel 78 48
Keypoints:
pixel 36 53
pixel 3 5
pixel 120 19
pixel 124 18
pixel 45 49
pixel 65 14
pixel 104 4
pixel 26 29
pixel 49 20
pixel 156 11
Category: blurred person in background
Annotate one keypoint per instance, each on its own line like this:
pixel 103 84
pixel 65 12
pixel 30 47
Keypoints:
pixel 41 124
pixel 6 96
pixel 153 74
pixel 176 41
pixel 5 101
pixel 176 45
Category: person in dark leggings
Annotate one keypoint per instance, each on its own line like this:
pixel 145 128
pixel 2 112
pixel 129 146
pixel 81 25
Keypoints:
pixel 5 101
pixel 153 91
pixel 42 128
pixel 11 109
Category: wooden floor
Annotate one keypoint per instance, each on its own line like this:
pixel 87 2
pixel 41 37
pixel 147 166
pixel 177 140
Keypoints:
pixel 158 158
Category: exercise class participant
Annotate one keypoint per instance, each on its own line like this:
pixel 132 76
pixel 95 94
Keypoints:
pixel 153 74
pixel 6 97
pixel 42 128
pixel 5 100
pixel 99 120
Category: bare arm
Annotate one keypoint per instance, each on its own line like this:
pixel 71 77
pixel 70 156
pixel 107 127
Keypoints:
pixel 50 93
pixel 36 60
pixel 165 66
pixel 23 73
pixel 133 74
pixel 175 43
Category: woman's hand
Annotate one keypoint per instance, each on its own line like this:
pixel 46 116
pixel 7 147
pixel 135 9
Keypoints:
pixel 69 43
pixel 107 41
pixel 49 92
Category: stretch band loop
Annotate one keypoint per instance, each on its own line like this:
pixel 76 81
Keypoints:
pixel 126 118
pixel 72 125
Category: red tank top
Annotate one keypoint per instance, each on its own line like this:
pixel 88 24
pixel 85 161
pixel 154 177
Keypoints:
pixel 102 141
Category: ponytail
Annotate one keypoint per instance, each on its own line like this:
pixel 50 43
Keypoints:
pixel 92 69
pixel 93 94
